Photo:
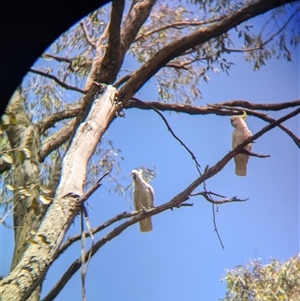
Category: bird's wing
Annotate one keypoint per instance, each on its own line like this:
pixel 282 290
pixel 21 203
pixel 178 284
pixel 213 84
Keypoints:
pixel 136 196
pixel 234 138
pixel 248 147
pixel 151 191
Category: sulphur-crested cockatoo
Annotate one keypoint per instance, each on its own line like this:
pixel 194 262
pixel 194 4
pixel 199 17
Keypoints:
pixel 143 197
pixel 239 135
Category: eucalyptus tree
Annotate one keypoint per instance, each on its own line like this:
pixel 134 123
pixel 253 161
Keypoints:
pixel 57 118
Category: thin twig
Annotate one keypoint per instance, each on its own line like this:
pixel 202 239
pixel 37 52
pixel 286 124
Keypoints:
pixel 7 213
pixel 176 25
pixel 88 225
pixel 57 58
pixel 172 133
pixel 84 267
pixel 86 35
pixel 82 257
pixel 244 151
pixel 122 80
pixel 215 225
pixel 207 196
pixel 282 28
pixel 57 80
pixel 94 187
pixel 183 205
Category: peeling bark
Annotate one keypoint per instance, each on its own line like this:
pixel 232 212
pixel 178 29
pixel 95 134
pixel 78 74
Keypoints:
pixel 21 282
pixel 28 211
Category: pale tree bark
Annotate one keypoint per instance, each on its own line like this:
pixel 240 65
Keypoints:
pixel 28 211
pixel 104 69
pixel 20 283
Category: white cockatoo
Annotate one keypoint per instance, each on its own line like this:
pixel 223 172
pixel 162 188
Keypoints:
pixel 239 135
pixel 143 197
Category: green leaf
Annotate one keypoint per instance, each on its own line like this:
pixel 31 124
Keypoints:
pixel 43 238
pixel 5 119
pixel 25 192
pixel 7 158
pixel 44 189
pixel 9 187
pixel 27 152
pixel 45 200
pixel 21 156
pixel 13 118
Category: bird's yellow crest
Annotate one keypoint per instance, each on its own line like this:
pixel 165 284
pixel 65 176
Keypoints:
pixel 244 115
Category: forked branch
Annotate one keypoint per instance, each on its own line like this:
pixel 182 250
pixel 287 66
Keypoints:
pixel 62 84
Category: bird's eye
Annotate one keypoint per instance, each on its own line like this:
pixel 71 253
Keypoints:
pixel 133 176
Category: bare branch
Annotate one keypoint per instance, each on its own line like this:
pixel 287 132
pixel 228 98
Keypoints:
pixel 105 68
pixel 183 64
pixel 258 106
pixel 176 25
pixel 282 28
pixel 207 196
pixel 86 35
pixel 57 80
pixel 244 151
pixel 50 121
pixel 262 44
pixel 122 80
pixel 215 225
pixel 56 140
pixel 136 17
pixel 84 214
pixel 103 36
pixel 243 49
pixel 94 187
pixel 57 58
pixel 178 66
pixel 82 258
pixel 222 109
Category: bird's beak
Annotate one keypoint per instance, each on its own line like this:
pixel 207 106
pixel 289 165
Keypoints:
pixel 133 176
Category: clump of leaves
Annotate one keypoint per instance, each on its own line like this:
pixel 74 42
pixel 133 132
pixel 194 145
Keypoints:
pixel 270 282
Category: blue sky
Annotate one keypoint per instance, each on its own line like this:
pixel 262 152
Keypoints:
pixel 181 259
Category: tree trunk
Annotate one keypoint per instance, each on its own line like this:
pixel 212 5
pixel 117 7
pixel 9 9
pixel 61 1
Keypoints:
pixel 43 245
pixel 28 211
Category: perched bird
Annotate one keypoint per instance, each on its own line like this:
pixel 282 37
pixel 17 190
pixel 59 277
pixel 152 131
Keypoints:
pixel 239 135
pixel 143 197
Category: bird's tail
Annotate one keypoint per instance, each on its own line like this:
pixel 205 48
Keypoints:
pixel 146 225
pixel 240 171
pixel 241 164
